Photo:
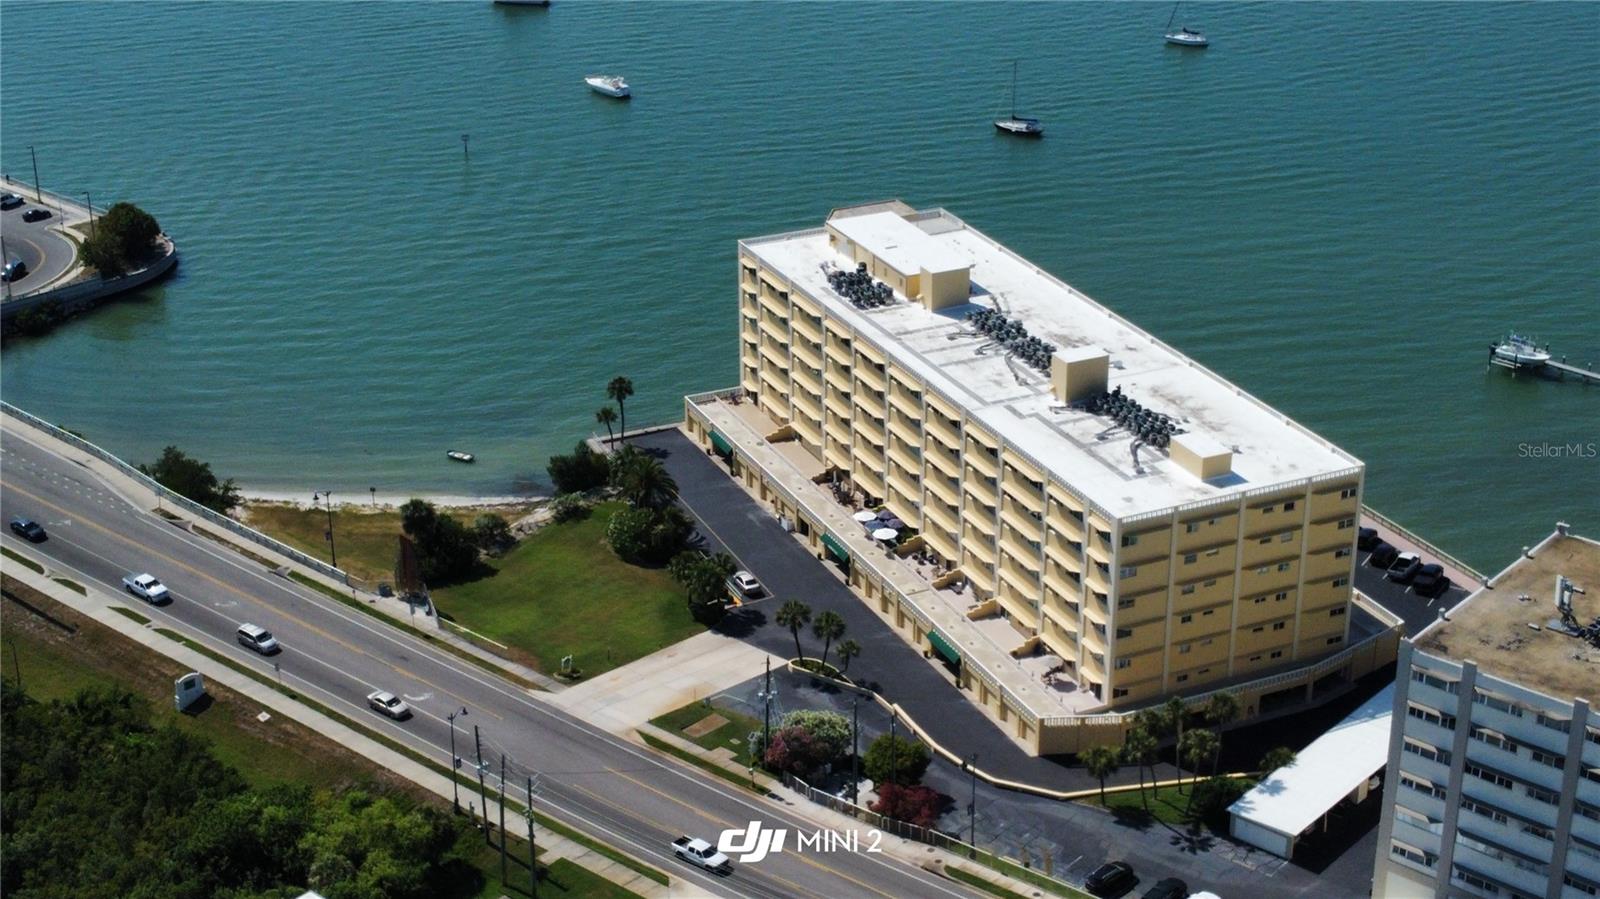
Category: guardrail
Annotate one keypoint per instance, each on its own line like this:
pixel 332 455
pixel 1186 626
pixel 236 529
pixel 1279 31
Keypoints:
pixel 183 502
pixel 1395 526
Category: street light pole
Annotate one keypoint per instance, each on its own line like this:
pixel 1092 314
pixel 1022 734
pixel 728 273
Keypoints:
pixel 766 710
pixel 90 200
pixel 37 195
pixel 892 753
pixel 972 807
pixel 455 762
pixel 327 500
pixel 855 748
pixel 483 794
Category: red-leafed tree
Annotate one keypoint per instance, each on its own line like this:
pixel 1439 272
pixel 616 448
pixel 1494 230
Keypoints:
pixel 919 805
pixel 795 751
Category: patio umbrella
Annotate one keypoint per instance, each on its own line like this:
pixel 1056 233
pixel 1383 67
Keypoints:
pixel 866 515
pixel 885 534
pixel 885 515
pixel 895 523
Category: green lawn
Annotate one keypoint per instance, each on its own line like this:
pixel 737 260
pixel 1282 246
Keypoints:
pixel 363 536
pixel 564 592
pixel 559 878
pixel 1166 804
pixel 733 735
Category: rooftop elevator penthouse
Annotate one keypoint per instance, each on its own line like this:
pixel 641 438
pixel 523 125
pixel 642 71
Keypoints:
pixel 1117 521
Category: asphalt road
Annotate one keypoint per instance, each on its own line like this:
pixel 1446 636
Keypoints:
pixel 337 655
pixel 46 253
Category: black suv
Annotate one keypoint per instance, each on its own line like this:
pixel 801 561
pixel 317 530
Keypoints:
pixel 36 215
pixel 28 530
pixel 1430 580
pixel 1110 879
pixel 1168 888
pixel 1366 538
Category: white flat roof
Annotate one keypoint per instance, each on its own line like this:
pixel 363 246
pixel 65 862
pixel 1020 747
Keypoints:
pixel 904 246
pixel 1014 400
pixel 1331 768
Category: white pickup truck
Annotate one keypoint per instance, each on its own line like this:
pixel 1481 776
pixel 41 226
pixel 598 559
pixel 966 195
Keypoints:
pixel 699 852
pixel 146 587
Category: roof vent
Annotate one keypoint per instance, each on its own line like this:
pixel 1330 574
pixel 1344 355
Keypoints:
pixel 1201 456
pixel 1078 373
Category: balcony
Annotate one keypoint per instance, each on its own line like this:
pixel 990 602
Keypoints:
pixel 870 401
pixel 807 352
pixel 899 480
pixel 838 403
pixel 770 301
pixel 939 427
pixel 871 376
pixel 805 399
pixel 809 380
pixel 981 487
pixel 1059 579
pixel 905 401
pixel 1025 524
pixel 905 427
pixel 944 515
pixel 980 459
pixel 747 328
pixel 809 326
pixel 839 352
pixel 1019 547
pixel 980 516
pixel 945 460
pixel 839 430
pixel 947 489
pixel 1030 495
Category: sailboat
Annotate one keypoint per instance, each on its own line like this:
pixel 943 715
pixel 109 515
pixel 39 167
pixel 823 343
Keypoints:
pixel 1184 37
pixel 1020 125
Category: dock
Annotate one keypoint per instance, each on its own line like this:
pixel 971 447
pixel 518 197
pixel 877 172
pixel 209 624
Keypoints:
pixel 1552 370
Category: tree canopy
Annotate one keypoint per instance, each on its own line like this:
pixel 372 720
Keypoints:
pixel 895 759
pixel 193 479
pixel 120 240
pixel 582 469
pixel 447 550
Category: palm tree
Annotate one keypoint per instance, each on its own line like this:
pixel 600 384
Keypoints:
pixel 794 615
pixel 1139 748
pixel 1221 709
pixel 606 416
pixel 1101 762
pixel 1174 711
pixel 1282 757
pixel 848 650
pixel 828 627
pixel 620 389
pixel 1196 748
pixel 641 480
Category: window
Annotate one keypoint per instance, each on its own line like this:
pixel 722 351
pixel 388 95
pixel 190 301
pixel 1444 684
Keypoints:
pixel 1124 632
pixel 1267 510
pixel 1276 654
pixel 1542 795
pixel 1346 524
pixel 1589 811
pixel 1190 558
pixel 1286 536
pixel 1421 786
pixel 1207 612
pixel 1130 539
pixel 1182 678
pixel 1540 831
pixel 1209 584
pixel 1494 777
pixel 1186 619
pixel 1125 603
pixel 1281 596
pixel 1473 880
pixel 1437 718
pixel 1263 569
pixel 1284 566
pixel 1259 629
pixel 1189 527
pixel 1413 854
pixel 1549 758
pixel 1212 552
pixel 1495 702
pixel 1438 683
pixel 1184 647
pixel 1124 663
pixel 1265 540
pixel 1279 625
pixel 1581 885
pixel 1335 613
pixel 1187 589
pixel 1495 739
pixel 1128 571
pixel 1336 638
pixel 1256 657
pixel 1347 493
pixel 1421 822
pixel 1487 811
pixel 1260 600
pixel 1342 552
pixel 1560 724
pixel 1118 692
pixel 1288 506
pixel 1340 581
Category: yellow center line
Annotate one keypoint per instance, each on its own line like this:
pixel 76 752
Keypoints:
pixel 726 823
pixel 237 592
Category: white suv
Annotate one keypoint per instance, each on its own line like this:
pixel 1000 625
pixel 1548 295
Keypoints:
pixel 257 638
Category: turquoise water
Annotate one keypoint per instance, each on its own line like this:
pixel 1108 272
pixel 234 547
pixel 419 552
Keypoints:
pixel 1336 206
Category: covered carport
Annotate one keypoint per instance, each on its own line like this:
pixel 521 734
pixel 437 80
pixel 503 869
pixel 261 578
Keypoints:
pixel 1338 766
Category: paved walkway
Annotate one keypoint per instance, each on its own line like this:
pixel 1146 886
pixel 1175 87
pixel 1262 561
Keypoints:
pixel 98 605
pixel 626 697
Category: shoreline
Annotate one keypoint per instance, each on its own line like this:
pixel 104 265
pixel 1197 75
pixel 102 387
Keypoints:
pixel 383 500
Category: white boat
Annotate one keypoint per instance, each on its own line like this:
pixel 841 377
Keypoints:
pixel 1017 124
pixel 539 3
pixel 459 456
pixel 1184 37
pixel 1516 351
pixel 610 85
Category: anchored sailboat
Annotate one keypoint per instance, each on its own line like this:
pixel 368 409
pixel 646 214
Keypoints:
pixel 1016 124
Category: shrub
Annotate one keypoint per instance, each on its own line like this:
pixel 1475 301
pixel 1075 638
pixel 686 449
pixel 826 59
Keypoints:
pixel 831 730
pixel 584 469
pixel 704 581
pixel 909 758
pixel 193 479
pixel 1212 796
pixel 794 751
pixel 628 533
pixel 568 507
pixel 120 240
pixel 918 805
pixel 446 550
pixel 492 532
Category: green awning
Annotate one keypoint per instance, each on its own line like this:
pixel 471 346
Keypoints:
pixel 836 548
pixel 943 647
pixel 721 444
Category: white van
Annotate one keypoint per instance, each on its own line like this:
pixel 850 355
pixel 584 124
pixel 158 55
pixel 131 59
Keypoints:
pixel 258 639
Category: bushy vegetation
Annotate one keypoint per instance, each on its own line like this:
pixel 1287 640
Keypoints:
pixel 893 759
pixel 704 579
pixel 568 507
pixel 919 804
pixel 582 469
pixel 193 479
pixel 120 241
pixel 492 533
pixel 101 804
pixel 447 550
pixel 807 741
pixel 39 320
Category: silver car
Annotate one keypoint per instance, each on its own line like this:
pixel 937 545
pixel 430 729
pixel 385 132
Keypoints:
pixel 389 704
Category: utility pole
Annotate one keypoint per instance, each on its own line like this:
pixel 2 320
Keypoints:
pixel 766 710
pixel 502 819
pixel 893 773
pixel 972 807
pixel 37 195
pixel 90 200
pixel 855 748
pixel 5 257
pixel 483 795
pixel 455 762
pixel 16 666
pixel 327 500
pixel 533 857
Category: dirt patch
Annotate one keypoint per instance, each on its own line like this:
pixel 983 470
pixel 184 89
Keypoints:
pixel 704 726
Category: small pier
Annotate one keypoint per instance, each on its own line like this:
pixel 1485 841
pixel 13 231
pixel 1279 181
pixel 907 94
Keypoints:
pixel 1561 371
pixel 1520 354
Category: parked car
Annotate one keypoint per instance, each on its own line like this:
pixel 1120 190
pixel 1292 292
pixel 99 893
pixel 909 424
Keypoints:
pixel 28 529
pixel 15 270
pixel 1110 879
pixel 1430 580
pixel 147 588
pixel 389 704
pixel 699 852
pixel 1403 568
pixel 1366 538
pixel 36 215
pixel 1168 888
pixel 10 201
pixel 1383 555
pixel 746 583
pixel 257 638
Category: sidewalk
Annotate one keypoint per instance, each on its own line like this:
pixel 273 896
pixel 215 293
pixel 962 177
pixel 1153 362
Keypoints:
pixel 98 605
pixel 143 497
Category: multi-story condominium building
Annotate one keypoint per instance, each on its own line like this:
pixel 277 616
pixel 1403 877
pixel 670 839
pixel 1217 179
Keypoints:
pixel 1494 758
pixel 1084 503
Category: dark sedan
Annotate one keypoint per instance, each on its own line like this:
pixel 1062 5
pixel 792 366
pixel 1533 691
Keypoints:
pixel 10 201
pixel 1430 580
pixel 1110 879
pixel 36 215
pixel 28 530
pixel 1168 888
pixel 1366 538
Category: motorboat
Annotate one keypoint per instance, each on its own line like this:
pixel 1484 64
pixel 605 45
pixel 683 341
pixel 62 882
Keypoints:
pixel 459 456
pixel 1517 351
pixel 538 3
pixel 1017 124
pixel 1184 37
pixel 610 85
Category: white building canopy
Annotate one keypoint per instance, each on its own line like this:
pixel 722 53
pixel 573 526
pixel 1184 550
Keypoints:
pixel 1335 765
